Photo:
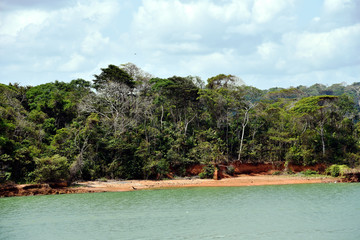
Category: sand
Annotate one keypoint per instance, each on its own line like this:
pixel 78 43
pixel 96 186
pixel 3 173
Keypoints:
pixel 134 185
pixel 242 180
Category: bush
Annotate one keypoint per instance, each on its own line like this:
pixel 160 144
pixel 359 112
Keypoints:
pixel 156 169
pixel 336 170
pixel 51 169
pixel 310 172
pixel 353 159
pixel 207 172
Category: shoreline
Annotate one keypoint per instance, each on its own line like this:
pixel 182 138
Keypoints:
pixel 134 185
pixel 239 181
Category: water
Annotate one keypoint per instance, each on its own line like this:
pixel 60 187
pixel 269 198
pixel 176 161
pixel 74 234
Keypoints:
pixel 315 211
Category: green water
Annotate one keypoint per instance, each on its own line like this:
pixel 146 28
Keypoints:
pixel 315 211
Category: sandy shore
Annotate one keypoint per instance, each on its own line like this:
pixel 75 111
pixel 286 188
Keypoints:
pixel 243 180
pixel 133 185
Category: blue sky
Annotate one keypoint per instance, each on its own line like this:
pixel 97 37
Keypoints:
pixel 267 43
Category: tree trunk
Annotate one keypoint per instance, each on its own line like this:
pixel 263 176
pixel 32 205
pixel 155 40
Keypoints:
pixel 187 124
pixel 162 115
pixel 245 122
pixel 322 140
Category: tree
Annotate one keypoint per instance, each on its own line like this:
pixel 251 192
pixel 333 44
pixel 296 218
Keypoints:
pixel 180 97
pixel 138 75
pixel 51 169
pixel 251 97
pixel 18 137
pixel 291 93
pixel 113 74
pixel 116 106
pixel 58 100
pixel 315 111
pixel 223 81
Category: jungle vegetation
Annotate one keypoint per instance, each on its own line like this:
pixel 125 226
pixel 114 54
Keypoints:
pixel 128 124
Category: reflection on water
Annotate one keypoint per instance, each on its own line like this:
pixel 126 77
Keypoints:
pixel 316 211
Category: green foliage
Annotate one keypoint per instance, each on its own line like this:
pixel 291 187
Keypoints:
pixel 336 170
pixel 291 93
pixel 5 174
pixel 51 169
pixel 221 81
pixel 57 100
pixel 310 172
pixel 353 159
pixel 301 156
pixel 49 126
pixel 135 126
pixel 37 116
pixel 312 104
pixel 208 148
pixel 113 74
pixel 156 169
pixel 207 171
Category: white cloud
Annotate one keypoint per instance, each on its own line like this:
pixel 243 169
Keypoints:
pixel 328 77
pixel 93 42
pixel 338 13
pixel 265 10
pixel 244 29
pixel 333 6
pixel 73 64
pixel 230 11
pixel 57 39
pixel 213 63
pixel 301 52
pixel 12 24
pixel 259 40
pixel 159 21
pixel 324 50
pixel 190 36
pixel 267 50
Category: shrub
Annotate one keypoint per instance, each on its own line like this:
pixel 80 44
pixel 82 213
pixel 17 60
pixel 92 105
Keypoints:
pixel 157 169
pixel 310 172
pixel 336 170
pixel 4 176
pixel 276 173
pixel 353 159
pixel 207 172
pixel 51 169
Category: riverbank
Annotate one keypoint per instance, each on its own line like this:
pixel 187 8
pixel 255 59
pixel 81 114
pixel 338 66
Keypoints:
pixel 133 185
pixel 243 180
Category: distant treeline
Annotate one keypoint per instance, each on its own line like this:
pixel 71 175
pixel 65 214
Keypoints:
pixel 128 124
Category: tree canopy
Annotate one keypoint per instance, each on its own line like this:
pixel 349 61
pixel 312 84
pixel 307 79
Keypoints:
pixel 128 124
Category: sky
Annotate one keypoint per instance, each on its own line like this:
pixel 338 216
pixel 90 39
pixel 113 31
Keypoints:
pixel 266 43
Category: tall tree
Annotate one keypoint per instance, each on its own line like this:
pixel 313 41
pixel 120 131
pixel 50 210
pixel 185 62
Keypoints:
pixel 251 96
pixel 316 112
pixel 113 74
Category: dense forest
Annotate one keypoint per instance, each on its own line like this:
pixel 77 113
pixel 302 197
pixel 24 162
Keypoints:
pixel 128 124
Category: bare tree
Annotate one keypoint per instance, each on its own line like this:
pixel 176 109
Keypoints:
pixel 141 77
pixel 250 97
pixel 248 106
pixel 118 106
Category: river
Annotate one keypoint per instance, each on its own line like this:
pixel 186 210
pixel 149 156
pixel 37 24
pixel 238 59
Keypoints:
pixel 309 211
